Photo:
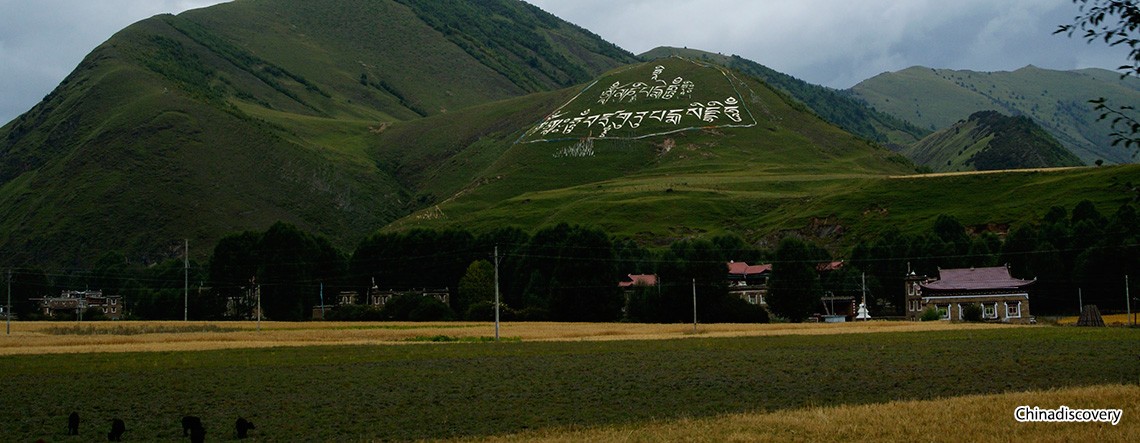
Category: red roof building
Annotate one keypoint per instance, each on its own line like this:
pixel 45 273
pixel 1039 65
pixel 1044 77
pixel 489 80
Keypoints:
pixel 1002 297
pixel 638 280
pixel 78 302
pixel 749 282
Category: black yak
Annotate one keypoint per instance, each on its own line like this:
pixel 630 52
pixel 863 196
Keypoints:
pixel 198 434
pixel 117 430
pixel 73 423
pixel 242 427
pixel 189 422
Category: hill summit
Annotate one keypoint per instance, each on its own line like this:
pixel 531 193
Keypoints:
pixel 236 116
pixel 1055 100
pixel 989 140
pixel 646 100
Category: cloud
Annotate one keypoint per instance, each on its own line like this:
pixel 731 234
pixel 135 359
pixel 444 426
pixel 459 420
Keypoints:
pixel 838 43
pixel 42 41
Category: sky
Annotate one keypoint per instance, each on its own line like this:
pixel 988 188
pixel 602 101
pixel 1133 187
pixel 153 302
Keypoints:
pixel 834 43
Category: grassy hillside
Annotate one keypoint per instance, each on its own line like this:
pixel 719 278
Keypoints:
pixel 345 117
pixel 657 181
pixel 236 116
pixel 989 140
pixel 791 172
pixel 837 107
pixel 1055 100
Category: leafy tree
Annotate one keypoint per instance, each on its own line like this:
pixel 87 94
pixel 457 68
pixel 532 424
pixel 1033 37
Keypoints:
pixel 511 244
pixel 416 307
pixel 1116 22
pixel 972 312
pixel 794 290
pixel 931 313
pixel 477 285
pixel 354 313
pixel 984 250
pixel 28 284
pixel 162 297
pixel 233 266
pixel 293 266
pixel 1100 268
pixel 886 262
pixel 572 274
pixel 705 261
pixel 419 258
pixel 955 243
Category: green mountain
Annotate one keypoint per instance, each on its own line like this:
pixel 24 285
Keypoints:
pixel 779 171
pixel 989 141
pixel 345 117
pixel 623 166
pixel 837 107
pixel 238 115
pixel 1055 100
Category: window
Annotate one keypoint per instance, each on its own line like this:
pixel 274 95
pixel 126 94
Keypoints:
pixel 944 311
pixel 1013 310
pixel 989 310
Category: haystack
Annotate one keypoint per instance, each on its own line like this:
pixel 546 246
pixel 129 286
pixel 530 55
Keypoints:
pixel 1090 316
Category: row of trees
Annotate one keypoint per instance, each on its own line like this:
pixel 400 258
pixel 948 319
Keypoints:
pixel 570 273
pixel 1072 255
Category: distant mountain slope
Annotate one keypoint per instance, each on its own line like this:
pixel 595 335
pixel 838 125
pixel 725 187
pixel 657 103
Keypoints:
pixel 245 113
pixel 837 107
pixel 661 150
pixel 1056 100
pixel 989 140
pixel 540 159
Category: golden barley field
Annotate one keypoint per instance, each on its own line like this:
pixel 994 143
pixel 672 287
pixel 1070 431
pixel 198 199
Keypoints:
pixel 1109 320
pixel 975 418
pixel 605 382
pixel 165 336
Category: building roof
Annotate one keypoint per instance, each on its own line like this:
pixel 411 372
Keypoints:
pixel 744 269
pixel 829 266
pixel 975 279
pixel 639 280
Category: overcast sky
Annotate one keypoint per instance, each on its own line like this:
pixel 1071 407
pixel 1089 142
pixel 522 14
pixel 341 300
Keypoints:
pixel 835 43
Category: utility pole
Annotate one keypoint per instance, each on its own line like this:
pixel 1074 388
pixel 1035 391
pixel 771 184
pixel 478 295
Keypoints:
pixel 258 307
pixel 1080 302
pixel 864 294
pixel 8 310
pixel 1128 301
pixel 496 292
pixel 322 301
pixel 186 281
pixel 694 306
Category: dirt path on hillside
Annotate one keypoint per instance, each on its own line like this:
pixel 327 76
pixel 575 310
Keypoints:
pixel 998 171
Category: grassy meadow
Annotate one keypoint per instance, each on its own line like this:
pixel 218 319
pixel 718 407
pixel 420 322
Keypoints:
pixel 989 418
pixel 560 381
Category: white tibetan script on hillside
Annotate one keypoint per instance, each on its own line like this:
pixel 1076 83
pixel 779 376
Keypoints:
pixel 667 111
pixel 659 89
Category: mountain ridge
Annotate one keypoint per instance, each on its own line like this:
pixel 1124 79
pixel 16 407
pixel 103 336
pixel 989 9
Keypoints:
pixel 346 117
pixel 988 140
pixel 1055 100
pixel 242 114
